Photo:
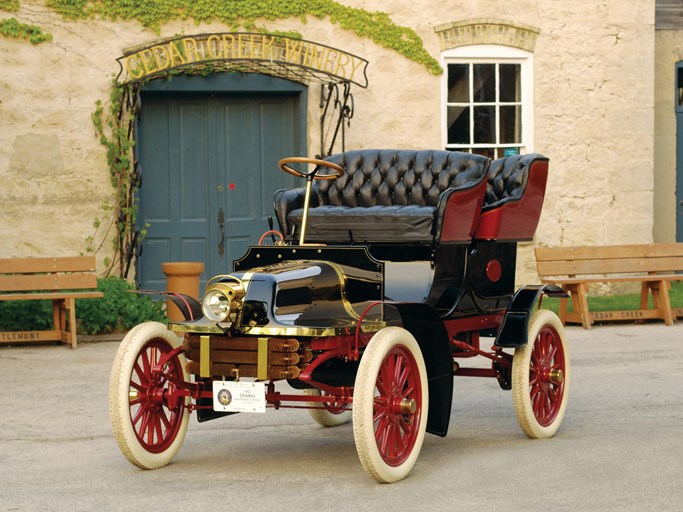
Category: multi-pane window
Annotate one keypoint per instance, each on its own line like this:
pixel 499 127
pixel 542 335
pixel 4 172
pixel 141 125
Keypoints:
pixel 487 106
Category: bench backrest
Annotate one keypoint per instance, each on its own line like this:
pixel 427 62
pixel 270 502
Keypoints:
pixel 42 274
pixel 609 259
pixel 398 177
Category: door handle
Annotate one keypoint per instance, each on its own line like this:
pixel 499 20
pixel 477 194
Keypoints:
pixel 221 229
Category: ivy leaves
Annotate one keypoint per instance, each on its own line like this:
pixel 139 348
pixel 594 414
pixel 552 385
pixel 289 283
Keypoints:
pixel 9 5
pixel 12 28
pixel 376 26
pixel 152 14
pixel 114 129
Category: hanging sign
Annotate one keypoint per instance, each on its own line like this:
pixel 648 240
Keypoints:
pixel 281 56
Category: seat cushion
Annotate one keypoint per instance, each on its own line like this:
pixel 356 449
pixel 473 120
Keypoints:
pixel 375 223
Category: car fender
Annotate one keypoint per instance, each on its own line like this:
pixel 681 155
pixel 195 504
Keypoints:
pixel 429 332
pixel 515 326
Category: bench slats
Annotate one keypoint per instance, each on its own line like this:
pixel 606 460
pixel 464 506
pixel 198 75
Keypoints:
pixel 643 278
pixel 44 265
pixel 51 295
pixel 596 265
pixel 61 280
pixel 609 252
pixel 30 337
pixel 37 282
pixel 653 265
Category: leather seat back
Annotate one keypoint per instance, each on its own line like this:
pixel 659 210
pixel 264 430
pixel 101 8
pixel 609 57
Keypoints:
pixel 507 179
pixel 397 177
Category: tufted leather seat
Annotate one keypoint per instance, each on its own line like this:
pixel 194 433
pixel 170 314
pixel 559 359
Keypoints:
pixel 385 196
pixel 515 192
pixel 507 178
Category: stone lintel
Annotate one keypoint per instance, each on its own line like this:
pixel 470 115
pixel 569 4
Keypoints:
pixel 487 31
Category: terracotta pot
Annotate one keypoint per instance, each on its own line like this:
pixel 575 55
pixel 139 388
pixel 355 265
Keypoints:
pixel 181 277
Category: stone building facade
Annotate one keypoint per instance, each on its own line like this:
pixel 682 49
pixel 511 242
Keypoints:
pixel 597 94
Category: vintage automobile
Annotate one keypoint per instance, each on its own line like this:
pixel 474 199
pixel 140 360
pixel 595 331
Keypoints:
pixel 388 270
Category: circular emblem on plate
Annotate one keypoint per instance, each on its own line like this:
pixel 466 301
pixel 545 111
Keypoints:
pixel 224 397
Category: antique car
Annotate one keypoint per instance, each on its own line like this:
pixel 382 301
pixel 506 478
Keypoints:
pixel 387 272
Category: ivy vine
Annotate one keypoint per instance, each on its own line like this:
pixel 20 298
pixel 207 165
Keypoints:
pixel 9 5
pixel 376 26
pixel 115 129
pixel 11 27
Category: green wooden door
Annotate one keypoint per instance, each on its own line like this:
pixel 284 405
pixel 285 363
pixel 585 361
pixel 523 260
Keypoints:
pixel 209 171
pixel 679 151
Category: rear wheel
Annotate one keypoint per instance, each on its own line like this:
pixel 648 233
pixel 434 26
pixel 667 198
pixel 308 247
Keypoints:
pixel 390 404
pixel 148 429
pixel 540 376
pixel 331 415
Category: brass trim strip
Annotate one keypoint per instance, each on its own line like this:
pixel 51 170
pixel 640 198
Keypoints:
pixel 280 330
pixel 204 356
pixel 194 328
pixel 262 368
pixel 312 331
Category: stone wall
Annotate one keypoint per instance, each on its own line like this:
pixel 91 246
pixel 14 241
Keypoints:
pixel 594 113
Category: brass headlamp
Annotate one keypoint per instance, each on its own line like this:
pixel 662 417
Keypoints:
pixel 222 301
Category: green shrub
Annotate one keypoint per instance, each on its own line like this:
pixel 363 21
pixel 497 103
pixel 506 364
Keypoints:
pixel 118 311
pixel 26 315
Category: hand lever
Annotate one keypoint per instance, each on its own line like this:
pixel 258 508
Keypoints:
pixel 221 227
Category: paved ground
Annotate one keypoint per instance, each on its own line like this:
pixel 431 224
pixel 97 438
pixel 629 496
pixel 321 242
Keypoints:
pixel 620 447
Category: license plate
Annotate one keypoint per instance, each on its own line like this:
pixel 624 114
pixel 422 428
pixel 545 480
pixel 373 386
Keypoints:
pixel 230 396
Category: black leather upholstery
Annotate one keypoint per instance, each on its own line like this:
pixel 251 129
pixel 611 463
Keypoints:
pixel 507 178
pixel 383 196
pixel 399 177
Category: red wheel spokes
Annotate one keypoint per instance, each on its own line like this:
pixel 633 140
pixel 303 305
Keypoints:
pixel 546 371
pixel 155 425
pixel 334 407
pixel 397 382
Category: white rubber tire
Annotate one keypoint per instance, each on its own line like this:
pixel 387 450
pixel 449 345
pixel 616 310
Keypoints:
pixel 325 417
pixel 390 346
pixel 120 410
pixel 540 403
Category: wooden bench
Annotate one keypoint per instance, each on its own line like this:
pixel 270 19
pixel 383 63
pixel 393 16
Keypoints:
pixel 574 268
pixel 62 280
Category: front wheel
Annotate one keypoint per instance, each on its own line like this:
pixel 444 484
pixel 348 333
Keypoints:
pixel 540 376
pixel 390 403
pixel 148 429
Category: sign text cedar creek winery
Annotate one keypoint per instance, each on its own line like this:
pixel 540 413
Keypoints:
pixel 269 52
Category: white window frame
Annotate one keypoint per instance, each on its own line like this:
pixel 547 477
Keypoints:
pixel 492 54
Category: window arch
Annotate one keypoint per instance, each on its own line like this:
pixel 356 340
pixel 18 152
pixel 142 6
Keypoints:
pixel 488 100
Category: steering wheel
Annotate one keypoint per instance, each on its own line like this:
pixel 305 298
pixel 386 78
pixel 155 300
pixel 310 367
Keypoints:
pixel 312 175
